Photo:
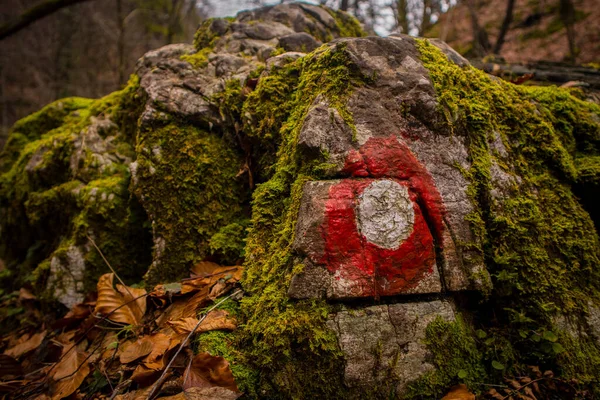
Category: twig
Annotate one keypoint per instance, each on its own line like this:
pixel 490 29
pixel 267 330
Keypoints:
pixel 113 270
pixel 120 387
pixel 160 380
pixel 527 384
pixel 80 340
pixel 84 360
pixel 490 384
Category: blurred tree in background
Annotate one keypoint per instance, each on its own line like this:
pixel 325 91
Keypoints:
pixel 89 47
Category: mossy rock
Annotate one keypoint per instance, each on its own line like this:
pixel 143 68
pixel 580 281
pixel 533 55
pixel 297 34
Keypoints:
pixel 211 153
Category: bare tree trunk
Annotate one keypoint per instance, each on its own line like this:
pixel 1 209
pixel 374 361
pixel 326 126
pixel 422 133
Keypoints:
pixel 567 15
pixel 173 18
pixel 402 15
pixel 481 43
pixel 344 5
pixel 33 14
pixel 426 17
pixel 505 25
pixel 121 43
pixel 447 24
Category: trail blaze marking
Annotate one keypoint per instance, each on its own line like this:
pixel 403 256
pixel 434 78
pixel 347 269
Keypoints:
pixel 376 232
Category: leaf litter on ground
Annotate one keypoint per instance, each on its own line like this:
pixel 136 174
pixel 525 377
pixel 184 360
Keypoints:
pixel 123 340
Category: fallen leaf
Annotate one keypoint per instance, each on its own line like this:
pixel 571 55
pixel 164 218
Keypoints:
pixel 215 320
pixel 166 290
pixel 144 376
pixel 120 303
pixel 134 350
pixel 27 345
pixel 25 294
pixel 198 300
pixel 218 289
pixel 210 276
pixel 9 366
pixel 161 343
pixel 209 371
pixel 140 394
pixel 175 311
pixel 459 392
pixel 76 314
pixel 70 373
pixel 210 393
pixel 183 326
pixel 204 268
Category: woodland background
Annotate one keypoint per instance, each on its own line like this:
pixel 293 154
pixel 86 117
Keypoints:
pixel 88 49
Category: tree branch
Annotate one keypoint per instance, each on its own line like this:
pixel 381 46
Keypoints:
pixel 33 14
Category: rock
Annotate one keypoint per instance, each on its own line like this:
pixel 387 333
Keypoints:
pixel 281 60
pixel 301 42
pixel 387 340
pixel 66 277
pixel 364 187
pixel 261 30
pixel 369 235
pixel 414 146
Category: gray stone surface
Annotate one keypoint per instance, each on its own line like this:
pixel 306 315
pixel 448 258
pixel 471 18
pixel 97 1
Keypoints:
pixel 66 277
pixel 401 103
pixel 593 320
pixel 300 41
pixel 385 214
pixel 387 340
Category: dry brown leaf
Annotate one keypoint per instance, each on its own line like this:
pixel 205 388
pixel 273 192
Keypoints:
pixel 198 300
pixel 215 320
pixel 76 314
pixel 26 345
pixel 166 290
pixel 25 294
pixel 493 393
pixel 9 366
pixel 144 376
pixel 209 371
pixel 183 326
pixel 70 373
pixel 178 396
pixel 210 393
pixel 120 301
pixel 134 350
pixel 174 311
pixel 459 392
pixel 140 394
pixel 218 289
pixel 230 274
pixel 204 268
pixel 160 344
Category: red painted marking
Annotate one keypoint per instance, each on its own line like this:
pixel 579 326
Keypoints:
pixel 388 158
pixel 367 269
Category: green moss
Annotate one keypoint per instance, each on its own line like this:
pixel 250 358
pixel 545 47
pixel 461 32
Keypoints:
pixel 580 360
pixel 229 243
pixel 288 340
pixel 199 59
pixel 538 242
pixel 455 356
pixel 205 36
pixel 588 169
pixel 347 25
pixel 47 206
pixel 187 180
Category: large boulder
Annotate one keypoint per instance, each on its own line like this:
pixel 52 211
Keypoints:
pixel 405 221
